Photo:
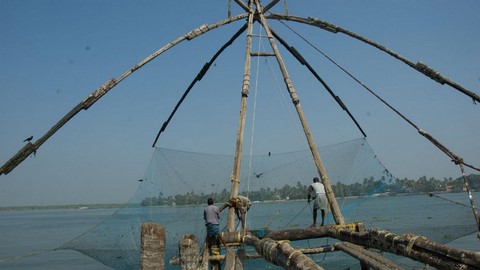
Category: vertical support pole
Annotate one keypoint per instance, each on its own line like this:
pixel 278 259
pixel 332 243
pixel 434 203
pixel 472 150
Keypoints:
pixel 472 203
pixel 212 244
pixel 229 259
pixel 337 215
pixel 235 177
pixel 240 258
pixel 152 247
pixel 205 257
pixel 189 252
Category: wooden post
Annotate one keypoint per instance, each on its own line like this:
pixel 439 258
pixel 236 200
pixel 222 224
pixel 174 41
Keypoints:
pixel 152 247
pixel 189 252
pixel 240 258
pixel 205 257
pixel 229 259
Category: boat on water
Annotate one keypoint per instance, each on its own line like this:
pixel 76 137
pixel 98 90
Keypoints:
pixel 354 239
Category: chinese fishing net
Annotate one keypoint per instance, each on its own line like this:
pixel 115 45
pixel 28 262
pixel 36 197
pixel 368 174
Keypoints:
pixel 177 184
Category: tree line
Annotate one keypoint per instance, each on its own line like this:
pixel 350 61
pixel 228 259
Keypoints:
pixel 369 186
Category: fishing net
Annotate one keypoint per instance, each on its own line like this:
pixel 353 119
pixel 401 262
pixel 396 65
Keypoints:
pixel 177 184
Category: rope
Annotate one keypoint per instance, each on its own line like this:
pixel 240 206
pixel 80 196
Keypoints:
pixel 435 195
pixel 229 8
pixel 409 247
pixel 285 105
pixel 253 130
pixel 456 159
pixel 291 255
pixel 21 256
pixel 253 119
pixel 199 76
pixel 470 196
pixel 297 215
pixel 304 62
pixel 285 7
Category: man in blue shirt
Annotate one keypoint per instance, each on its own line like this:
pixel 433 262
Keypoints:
pixel 211 214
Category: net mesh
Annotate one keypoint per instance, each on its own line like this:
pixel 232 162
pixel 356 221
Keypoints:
pixel 177 184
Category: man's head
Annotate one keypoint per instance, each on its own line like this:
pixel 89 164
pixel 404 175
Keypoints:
pixel 210 201
pixel 315 180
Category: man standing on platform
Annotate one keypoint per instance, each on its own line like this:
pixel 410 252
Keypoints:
pixel 316 192
pixel 211 215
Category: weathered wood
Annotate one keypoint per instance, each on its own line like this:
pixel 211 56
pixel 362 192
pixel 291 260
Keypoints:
pixel 233 237
pixel 299 234
pixel 312 232
pixel 176 260
pixel 413 247
pixel 152 247
pixel 213 247
pixel 368 259
pixel 248 256
pixel 229 259
pixel 205 257
pixel 239 259
pixel 464 256
pixel 281 253
pixel 261 54
pixel 189 252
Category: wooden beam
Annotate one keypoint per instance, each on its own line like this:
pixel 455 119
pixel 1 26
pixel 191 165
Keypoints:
pixel 281 254
pixel 366 257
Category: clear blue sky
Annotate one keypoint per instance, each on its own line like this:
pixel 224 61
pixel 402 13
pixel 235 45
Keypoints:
pixel 55 53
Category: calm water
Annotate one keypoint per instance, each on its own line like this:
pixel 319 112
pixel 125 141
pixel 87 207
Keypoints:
pixel 28 239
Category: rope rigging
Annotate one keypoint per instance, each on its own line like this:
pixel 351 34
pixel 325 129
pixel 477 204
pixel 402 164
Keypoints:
pixel 456 159
pixel 448 200
pixel 253 127
pixel 419 66
pixel 304 62
pixel 199 77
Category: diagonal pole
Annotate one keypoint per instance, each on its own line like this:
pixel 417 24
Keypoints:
pixel 337 215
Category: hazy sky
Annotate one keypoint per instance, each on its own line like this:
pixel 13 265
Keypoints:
pixel 55 53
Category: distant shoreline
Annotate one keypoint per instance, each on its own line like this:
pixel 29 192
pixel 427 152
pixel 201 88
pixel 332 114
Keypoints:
pixel 121 205
pixel 59 207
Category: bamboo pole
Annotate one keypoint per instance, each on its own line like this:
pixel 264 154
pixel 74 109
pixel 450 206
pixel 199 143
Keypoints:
pixel 419 66
pixel 205 258
pixel 337 215
pixel 366 257
pixel 23 153
pixel 235 177
pixel 412 246
pixel 281 254
pixel 407 245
